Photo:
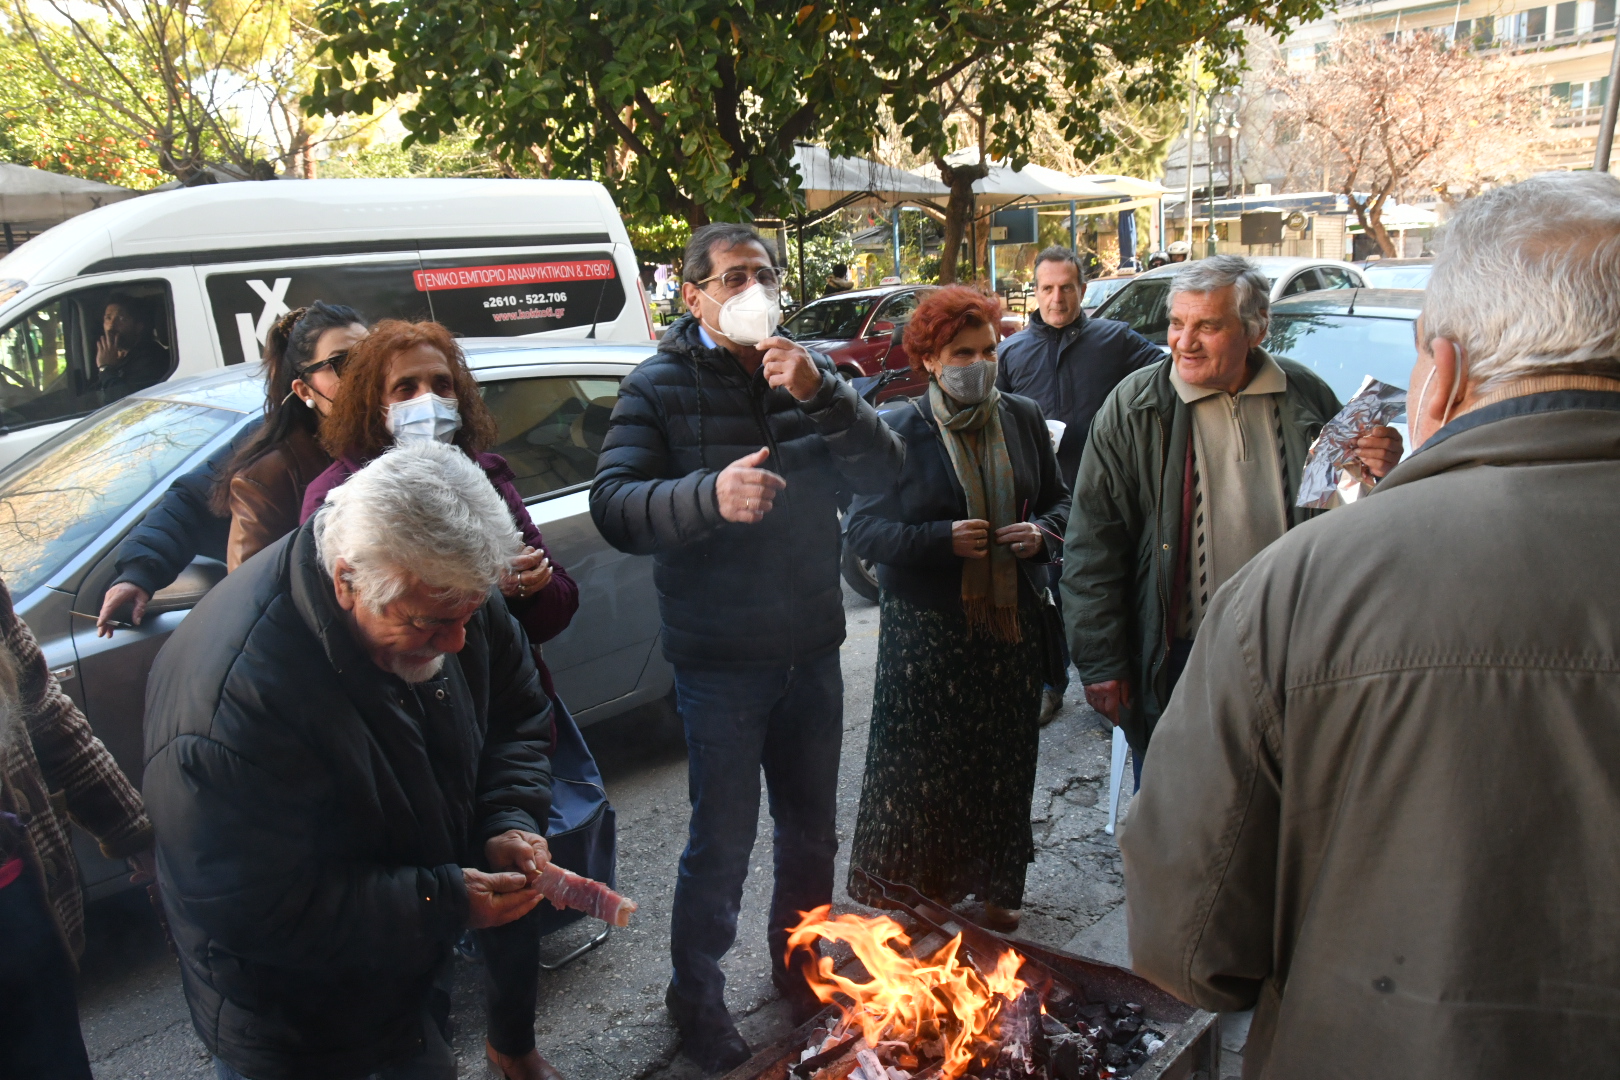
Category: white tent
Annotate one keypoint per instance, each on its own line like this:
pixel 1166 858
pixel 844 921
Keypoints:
pixel 827 181
pixel 34 199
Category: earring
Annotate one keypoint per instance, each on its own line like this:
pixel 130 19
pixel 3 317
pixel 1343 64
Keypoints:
pixel 308 402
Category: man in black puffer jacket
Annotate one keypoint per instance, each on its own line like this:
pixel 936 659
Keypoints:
pixel 346 745
pixel 725 462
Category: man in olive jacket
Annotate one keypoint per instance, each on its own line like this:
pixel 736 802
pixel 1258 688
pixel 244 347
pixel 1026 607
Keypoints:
pixel 1156 525
pixel 1382 807
pixel 347 767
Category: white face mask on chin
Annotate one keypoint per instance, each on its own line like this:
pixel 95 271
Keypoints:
pixel 751 316
pixel 424 419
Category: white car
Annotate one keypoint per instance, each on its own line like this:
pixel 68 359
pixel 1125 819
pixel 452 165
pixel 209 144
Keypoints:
pixel 1142 304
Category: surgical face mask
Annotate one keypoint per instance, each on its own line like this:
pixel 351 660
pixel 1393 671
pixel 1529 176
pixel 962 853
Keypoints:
pixel 751 316
pixel 424 419
pixel 968 383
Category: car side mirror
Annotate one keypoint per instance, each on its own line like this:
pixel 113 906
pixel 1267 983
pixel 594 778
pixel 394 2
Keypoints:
pixel 880 329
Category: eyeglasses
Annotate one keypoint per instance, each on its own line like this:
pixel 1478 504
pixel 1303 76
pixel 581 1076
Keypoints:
pixel 334 361
pixel 769 277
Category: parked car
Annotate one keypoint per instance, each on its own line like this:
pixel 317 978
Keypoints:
pixel 1142 302
pixel 1398 273
pixel 69 503
pixel 1346 335
pixel 210 268
pixel 1101 289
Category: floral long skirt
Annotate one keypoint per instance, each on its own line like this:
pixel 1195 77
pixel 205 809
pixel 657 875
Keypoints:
pixel 950 764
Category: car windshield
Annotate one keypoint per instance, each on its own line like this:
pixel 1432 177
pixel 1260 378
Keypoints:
pixel 1345 348
pixel 838 318
pixel 1397 277
pixel 66 496
pixel 1141 307
pixel 1102 289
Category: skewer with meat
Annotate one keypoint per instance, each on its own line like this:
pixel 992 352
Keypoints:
pixel 566 889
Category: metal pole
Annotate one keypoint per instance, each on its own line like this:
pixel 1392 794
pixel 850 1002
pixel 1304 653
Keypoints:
pixel 804 286
pixel 1209 147
pixel 1074 234
pixel 1192 120
pixel 896 223
pixel 1611 104
pixel 991 248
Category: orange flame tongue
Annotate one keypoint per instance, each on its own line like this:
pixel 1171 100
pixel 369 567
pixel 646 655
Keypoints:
pixel 907 998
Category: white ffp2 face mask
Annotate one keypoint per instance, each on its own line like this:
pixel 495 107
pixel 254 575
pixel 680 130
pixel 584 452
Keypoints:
pixel 426 418
pixel 751 316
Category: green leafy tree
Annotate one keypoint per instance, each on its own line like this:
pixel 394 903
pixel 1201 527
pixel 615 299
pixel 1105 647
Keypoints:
pixel 693 106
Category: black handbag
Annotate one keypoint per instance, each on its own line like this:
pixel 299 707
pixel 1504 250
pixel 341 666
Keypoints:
pixel 1054 657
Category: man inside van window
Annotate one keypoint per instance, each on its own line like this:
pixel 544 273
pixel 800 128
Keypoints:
pixel 128 356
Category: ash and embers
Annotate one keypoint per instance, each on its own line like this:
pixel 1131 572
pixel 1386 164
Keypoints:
pixel 941 1018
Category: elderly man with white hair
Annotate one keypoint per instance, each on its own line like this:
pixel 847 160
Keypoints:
pixel 1382 808
pixel 347 767
pixel 1192 468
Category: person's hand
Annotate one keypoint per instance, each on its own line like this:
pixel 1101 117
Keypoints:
pixel 970 539
pixel 1108 697
pixel 144 863
pixel 788 364
pixel 497 899
pixel 529 573
pixel 1379 450
pixel 109 350
pixel 120 594
pixel 1024 538
pixel 746 491
pixel 515 849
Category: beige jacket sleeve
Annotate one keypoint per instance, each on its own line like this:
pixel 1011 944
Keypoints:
pixel 1201 844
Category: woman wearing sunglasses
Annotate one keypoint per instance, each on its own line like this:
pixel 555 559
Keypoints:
pixel 262 489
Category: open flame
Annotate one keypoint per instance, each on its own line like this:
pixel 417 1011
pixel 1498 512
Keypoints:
pixel 911 1000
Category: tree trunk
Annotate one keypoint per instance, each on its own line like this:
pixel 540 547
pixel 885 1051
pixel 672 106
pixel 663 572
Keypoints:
pixel 957 210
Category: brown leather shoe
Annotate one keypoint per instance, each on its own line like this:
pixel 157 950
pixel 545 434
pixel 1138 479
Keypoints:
pixel 530 1066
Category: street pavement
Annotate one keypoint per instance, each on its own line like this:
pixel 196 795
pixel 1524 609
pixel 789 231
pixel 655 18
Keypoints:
pixel 602 1018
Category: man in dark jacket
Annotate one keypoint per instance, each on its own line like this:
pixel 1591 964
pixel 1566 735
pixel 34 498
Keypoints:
pixel 1068 364
pixel 347 767
pixel 1192 467
pixel 724 459
pixel 1382 808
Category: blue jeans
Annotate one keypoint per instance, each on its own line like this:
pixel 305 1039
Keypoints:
pixel 790 720
pixel 39 1011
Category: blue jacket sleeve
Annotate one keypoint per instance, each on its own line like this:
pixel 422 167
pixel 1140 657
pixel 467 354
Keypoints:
pixel 180 526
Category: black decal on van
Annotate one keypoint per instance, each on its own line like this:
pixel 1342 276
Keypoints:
pixel 513 295
pixel 245 304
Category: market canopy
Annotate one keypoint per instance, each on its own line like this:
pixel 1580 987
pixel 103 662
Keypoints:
pixel 1037 183
pixel 36 199
pixel 827 181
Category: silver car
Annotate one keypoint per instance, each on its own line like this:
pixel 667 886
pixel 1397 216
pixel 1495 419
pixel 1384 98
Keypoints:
pixel 1142 303
pixel 65 507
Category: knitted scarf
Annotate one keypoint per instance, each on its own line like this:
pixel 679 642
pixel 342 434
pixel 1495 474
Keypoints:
pixel 978 453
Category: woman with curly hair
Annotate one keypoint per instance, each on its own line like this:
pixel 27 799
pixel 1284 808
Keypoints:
pixel 961 539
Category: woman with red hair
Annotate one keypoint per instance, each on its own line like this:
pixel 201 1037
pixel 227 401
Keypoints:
pixel 961 540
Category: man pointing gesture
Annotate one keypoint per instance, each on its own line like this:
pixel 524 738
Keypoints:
pixel 724 460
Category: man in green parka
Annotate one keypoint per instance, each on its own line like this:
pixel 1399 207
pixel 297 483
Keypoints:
pixel 1191 469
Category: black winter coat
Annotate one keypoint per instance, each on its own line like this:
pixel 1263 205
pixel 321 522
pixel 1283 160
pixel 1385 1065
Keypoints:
pixel 314 813
pixel 180 526
pixel 735 594
pixel 906 530
pixel 1069 372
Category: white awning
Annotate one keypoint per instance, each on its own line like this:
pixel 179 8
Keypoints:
pixel 826 180
pixel 34 197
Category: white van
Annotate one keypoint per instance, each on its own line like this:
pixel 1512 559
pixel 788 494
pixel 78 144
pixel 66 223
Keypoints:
pixel 197 277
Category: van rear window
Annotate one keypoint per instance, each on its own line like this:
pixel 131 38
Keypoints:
pixel 502 295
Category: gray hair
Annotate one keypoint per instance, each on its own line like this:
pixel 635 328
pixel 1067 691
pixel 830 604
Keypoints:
pixel 1528 279
pixel 420 512
pixel 698 262
pixel 1059 254
pixel 1250 288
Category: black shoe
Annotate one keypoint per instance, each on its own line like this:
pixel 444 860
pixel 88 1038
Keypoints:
pixel 708 1035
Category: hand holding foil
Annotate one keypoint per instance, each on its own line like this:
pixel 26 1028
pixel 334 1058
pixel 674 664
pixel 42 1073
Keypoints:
pixel 1336 449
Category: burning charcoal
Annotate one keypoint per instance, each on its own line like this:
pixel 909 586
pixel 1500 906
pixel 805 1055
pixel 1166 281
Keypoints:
pixel 1051 1026
pixel 1070 1057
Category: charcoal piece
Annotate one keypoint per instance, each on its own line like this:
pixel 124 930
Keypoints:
pixel 1093 1014
pixel 1126 1029
pixel 1051 1026
pixel 1134 1009
pixel 1071 1057
pixel 1114 1054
